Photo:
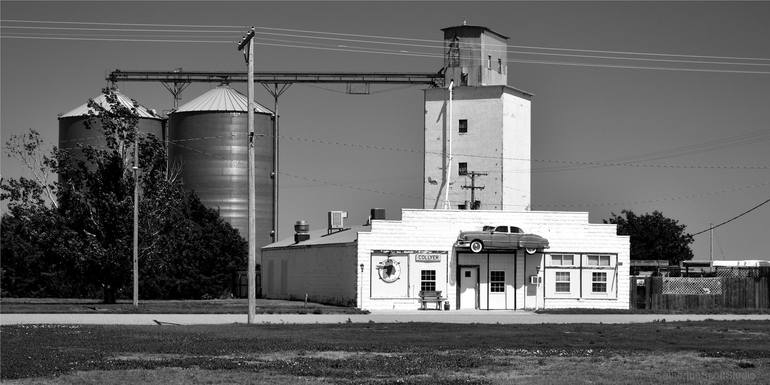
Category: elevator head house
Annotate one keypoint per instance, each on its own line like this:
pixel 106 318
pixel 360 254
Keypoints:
pixel 476 185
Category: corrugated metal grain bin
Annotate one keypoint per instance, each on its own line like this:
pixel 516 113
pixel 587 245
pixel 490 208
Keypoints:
pixel 208 138
pixel 73 131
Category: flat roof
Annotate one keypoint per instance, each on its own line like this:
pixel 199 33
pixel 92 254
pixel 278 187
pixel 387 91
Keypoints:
pixel 481 27
pixel 322 237
pixel 504 88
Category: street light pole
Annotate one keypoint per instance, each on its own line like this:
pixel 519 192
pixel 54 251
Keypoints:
pixel 248 43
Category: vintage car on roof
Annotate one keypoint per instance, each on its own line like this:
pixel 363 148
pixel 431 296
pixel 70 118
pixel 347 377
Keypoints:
pixel 499 238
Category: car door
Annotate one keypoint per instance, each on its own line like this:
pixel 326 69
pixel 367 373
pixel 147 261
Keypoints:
pixel 514 235
pixel 500 237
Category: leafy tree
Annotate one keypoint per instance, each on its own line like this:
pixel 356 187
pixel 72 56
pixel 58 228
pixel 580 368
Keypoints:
pixel 78 240
pixel 654 236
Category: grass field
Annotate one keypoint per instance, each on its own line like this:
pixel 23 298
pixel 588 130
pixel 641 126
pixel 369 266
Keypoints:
pixel 707 352
pixel 216 306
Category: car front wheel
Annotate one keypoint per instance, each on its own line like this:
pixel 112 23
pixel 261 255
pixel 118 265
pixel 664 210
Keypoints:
pixel 476 246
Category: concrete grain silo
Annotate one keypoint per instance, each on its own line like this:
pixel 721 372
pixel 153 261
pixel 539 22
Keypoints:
pixel 73 131
pixel 208 139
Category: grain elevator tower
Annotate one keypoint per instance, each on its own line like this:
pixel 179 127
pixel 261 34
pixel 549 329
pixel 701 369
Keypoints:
pixel 489 130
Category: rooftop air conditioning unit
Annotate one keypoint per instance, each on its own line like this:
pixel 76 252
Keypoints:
pixel 337 220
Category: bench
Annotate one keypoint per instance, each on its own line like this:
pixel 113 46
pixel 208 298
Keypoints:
pixel 427 296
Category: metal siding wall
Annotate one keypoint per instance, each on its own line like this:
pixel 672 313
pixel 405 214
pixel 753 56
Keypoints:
pixel 326 273
pixel 73 131
pixel 211 149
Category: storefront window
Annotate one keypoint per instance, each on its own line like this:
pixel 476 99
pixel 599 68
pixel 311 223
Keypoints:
pixel 598 260
pixel 497 281
pixel 598 282
pixel 428 280
pixel 562 260
pixel 562 282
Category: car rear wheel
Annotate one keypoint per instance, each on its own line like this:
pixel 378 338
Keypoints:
pixel 530 251
pixel 476 246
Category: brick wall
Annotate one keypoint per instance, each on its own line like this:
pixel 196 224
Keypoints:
pixel 438 229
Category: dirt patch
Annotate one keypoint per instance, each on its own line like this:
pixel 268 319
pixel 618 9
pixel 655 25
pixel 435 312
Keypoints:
pixel 169 376
pixel 272 356
pixel 684 368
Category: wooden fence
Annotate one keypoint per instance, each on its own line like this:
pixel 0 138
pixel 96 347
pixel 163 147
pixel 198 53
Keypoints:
pixel 699 294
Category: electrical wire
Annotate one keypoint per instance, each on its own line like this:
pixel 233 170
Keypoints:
pixel 344 49
pixel 409 150
pixel 665 199
pixel 316 33
pixel 567 205
pixel 303 45
pixel 436 47
pixel 732 219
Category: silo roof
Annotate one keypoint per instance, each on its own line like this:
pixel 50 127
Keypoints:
pixel 221 98
pixel 102 101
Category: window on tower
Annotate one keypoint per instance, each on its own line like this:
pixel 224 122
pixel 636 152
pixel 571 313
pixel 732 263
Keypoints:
pixel 489 62
pixel 500 65
pixel 462 127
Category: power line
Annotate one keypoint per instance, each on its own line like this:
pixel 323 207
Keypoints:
pixel 361 50
pixel 751 137
pixel 387 38
pixel 407 53
pixel 409 150
pixel 673 198
pixel 733 218
pixel 433 46
pixel 573 205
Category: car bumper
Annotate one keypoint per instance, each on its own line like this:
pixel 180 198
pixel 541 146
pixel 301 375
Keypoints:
pixel 462 243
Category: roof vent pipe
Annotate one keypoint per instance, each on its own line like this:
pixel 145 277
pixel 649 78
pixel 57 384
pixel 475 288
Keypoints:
pixel 301 231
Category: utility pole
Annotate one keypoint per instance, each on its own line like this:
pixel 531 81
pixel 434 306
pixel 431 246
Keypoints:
pixel 136 216
pixel 473 187
pixel 248 43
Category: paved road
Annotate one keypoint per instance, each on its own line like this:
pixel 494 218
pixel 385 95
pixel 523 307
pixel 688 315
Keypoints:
pixel 483 317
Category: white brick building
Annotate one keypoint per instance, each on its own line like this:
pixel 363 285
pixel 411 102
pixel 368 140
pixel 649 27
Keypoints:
pixel 586 265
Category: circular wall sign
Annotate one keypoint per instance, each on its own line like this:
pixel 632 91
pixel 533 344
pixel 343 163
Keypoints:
pixel 389 270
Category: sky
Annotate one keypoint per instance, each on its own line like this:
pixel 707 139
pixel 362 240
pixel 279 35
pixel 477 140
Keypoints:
pixel 693 112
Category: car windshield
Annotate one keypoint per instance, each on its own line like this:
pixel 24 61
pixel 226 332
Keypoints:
pixel 488 228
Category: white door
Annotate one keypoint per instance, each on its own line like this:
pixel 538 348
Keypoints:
pixel 469 280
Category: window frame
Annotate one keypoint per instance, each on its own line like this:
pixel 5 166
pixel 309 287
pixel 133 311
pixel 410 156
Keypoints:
pixel 462 168
pixel 599 258
pixel 562 281
pixel 561 260
pixel 489 62
pixel 595 282
pixel 497 284
pixel 425 279
pixel 462 126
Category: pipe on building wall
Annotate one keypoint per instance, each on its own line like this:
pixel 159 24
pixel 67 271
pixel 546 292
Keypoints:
pixel 449 151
